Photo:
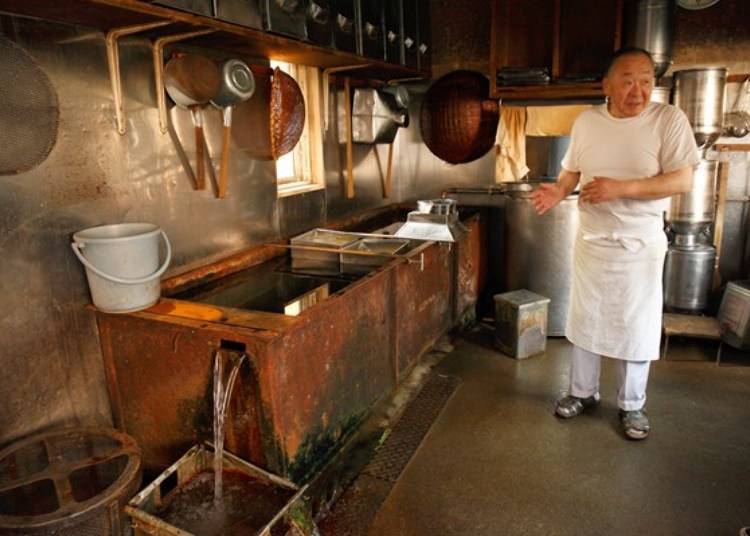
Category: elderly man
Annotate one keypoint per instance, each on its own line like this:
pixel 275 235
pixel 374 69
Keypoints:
pixel 629 155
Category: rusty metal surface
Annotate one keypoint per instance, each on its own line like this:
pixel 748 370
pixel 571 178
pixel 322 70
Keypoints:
pixel 424 308
pixel 310 381
pixel 469 270
pixel 159 371
pixel 321 378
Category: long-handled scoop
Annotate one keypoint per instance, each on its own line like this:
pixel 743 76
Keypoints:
pixel 191 82
pixel 237 85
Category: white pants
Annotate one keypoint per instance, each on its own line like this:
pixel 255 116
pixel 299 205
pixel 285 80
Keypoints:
pixel 632 378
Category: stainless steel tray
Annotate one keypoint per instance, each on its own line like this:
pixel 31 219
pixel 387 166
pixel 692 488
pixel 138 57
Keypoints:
pixel 377 246
pixel 321 238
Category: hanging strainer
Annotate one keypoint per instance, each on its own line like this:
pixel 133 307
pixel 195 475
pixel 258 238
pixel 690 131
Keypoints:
pixel 28 110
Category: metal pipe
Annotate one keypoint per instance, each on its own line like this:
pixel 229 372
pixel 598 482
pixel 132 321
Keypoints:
pixel 157 50
pixel 113 63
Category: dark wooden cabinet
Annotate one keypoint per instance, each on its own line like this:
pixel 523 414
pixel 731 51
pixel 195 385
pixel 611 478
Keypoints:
pixel 571 39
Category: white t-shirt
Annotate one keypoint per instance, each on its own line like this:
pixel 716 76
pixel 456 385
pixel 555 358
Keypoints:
pixel 656 141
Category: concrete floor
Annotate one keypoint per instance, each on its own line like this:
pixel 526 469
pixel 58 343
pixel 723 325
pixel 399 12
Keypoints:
pixel 497 462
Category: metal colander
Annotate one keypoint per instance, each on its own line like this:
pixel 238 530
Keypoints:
pixel 28 110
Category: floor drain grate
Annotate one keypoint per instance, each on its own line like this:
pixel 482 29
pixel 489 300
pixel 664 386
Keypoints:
pixel 356 508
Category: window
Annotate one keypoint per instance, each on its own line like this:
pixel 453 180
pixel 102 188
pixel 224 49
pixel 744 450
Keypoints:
pixel 301 170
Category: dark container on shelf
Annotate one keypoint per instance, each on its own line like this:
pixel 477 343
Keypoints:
pixel 372 34
pixel 346 25
pixel 394 31
pixel 286 17
pixel 243 12
pixel 320 19
pixel 411 33
pixel 199 7
pixel 424 49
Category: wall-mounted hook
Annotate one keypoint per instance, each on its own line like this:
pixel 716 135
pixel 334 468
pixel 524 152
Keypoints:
pixel 157 50
pixel 113 63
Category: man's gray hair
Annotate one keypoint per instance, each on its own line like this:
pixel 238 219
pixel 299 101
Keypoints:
pixel 626 51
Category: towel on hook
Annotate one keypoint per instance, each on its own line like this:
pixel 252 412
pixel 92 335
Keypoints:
pixel 552 120
pixel 511 145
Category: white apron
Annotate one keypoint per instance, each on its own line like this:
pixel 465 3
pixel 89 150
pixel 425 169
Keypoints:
pixel 616 293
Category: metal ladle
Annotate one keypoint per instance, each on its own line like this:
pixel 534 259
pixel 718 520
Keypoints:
pixel 192 81
pixel 237 85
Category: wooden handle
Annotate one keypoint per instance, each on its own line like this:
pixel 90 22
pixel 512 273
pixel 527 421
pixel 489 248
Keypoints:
pixel 349 149
pixel 388 171
pixel 200 172
pixel 224 169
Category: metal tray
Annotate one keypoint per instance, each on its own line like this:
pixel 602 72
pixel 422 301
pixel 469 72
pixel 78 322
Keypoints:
pixel 144 507
pixel 321 238
pixel 362 263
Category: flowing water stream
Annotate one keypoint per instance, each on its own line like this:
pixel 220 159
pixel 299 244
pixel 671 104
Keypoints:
pixel 224 378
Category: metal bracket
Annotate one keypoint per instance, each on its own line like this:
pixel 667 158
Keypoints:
pixel 420 262
pixel 113 63
pixel 157 50
pixel 326 83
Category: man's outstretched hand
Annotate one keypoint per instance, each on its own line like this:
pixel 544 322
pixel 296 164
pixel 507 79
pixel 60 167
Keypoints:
pixel 547 196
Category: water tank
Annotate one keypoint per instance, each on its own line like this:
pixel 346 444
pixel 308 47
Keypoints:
pixel 539 250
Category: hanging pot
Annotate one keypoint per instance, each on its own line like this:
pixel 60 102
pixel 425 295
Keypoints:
pixel 458 120
pixel 278 103
pixel 191 81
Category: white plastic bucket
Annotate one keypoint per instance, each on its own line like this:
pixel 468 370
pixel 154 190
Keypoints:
pixel 122 264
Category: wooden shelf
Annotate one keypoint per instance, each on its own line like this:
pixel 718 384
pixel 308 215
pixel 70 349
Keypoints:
pixel 572 39
pixel 109 14
pixel 550 91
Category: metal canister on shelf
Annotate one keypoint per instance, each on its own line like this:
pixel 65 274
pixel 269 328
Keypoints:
pixel 688 271
pixel 700 94
pixel 691 212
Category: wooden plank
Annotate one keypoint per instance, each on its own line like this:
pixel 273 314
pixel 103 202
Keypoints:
pixel 209 272
pixel 551 91
pixel 349 150
pixel 732 147
pixel 699 327
pixel 223 315
pixel 557 37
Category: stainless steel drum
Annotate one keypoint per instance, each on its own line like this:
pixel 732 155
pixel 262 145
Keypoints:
pixel 661 94
pixel 700 94
pixel 539 250
pixel 687 277
pixel 649 25
pixel 691 212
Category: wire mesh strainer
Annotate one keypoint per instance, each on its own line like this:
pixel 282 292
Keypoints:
pixel 28 110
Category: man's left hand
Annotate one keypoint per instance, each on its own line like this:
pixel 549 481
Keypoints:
pixel 601 189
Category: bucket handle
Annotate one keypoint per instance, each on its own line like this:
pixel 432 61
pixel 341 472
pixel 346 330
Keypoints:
pixel 76 246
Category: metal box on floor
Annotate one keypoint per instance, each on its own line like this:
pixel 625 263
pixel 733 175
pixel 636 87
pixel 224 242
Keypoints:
pixel 521 323
pixel 734 315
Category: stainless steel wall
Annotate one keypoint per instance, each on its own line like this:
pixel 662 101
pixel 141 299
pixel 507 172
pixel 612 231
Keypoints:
pixel 52 371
